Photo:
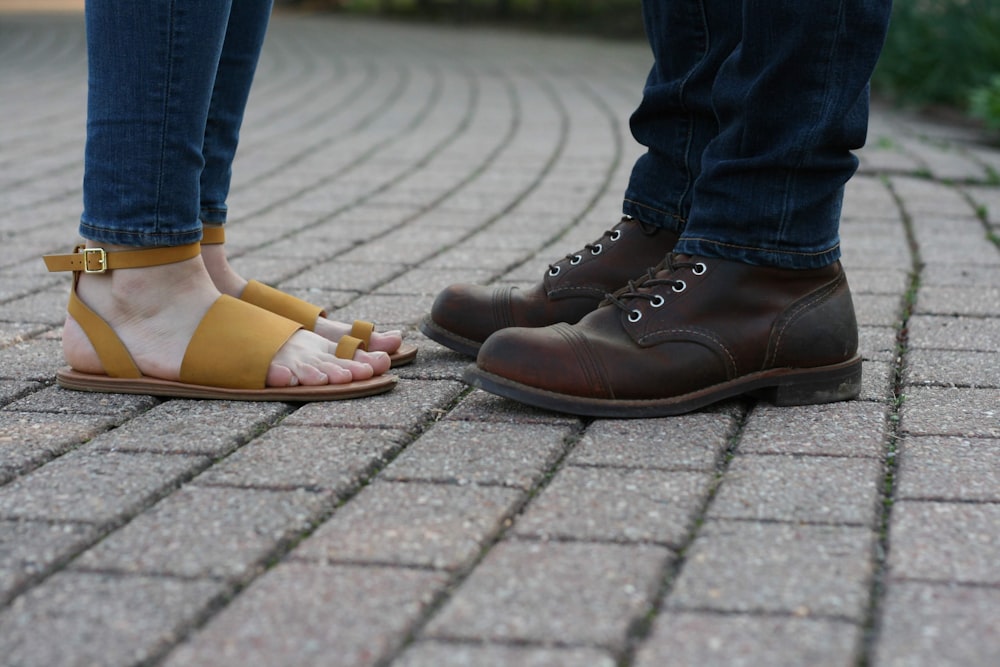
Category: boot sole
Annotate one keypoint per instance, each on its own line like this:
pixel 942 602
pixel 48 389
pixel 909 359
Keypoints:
pixel 780 386
pixel 452 341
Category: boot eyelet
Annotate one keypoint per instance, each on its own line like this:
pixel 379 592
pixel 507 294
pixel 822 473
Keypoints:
pixel 634 316
pixel 576 259
pixel 679 286
pixel 596 250
pixel 615 235
pixel 554 271
pixel 657 302
pixel 699 269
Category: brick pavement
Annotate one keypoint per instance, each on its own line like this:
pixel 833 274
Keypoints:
pixel 439 526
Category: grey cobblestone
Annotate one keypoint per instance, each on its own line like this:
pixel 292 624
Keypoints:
pixel 438 525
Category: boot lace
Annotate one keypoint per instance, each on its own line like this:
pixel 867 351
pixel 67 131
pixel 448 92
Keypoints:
pixel 597 247
pixel 642 287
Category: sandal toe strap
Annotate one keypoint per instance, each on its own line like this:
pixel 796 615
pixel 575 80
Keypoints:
pixel 284 304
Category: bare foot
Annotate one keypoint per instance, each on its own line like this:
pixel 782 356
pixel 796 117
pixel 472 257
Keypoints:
pixel 231 283
pixel 155 311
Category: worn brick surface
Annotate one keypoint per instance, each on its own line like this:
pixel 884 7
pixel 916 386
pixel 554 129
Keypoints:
pixel 948 468
pixel 417 524
pixel 814 489
pixel 572 592
pixel 949 542
pixel 930 625
pixel 302 614
pixel 716 640
pixel 737 566
pixel 617 505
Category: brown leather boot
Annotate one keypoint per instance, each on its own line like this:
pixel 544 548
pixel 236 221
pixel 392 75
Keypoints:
pixel 691 332
pixel 463 316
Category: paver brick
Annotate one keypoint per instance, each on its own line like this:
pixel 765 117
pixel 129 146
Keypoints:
pixel 951 411
pixel 567 592
pixel 613 504
pixel 335 458
pixel 454 654
pixel 77 618
pixel 948 468
pixel 739 640
pixel 407 406
pixel 481 453
pixel 799 569
pixel 30 549
pixel 938 625
pixel 441 526
pixel 311 614
pixel 68 489
pixel 223 533
pixel 938 332
pixel 947 542
pixel 29 439
pixel 212 428
pixel 851 428
pixel 812 489
pixel 687 442
pixel 953 367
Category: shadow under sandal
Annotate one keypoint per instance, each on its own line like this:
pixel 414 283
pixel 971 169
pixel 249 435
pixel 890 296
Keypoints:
pixel 303 312
pixel 227 358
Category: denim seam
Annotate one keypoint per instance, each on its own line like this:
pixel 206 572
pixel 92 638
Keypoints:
pixel 165 125
pixel 756 249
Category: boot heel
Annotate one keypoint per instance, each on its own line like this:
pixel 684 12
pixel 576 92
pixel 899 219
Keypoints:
pixel 818 385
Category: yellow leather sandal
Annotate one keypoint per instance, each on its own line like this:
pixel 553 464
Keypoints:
pixel 227 358
pixel 303 312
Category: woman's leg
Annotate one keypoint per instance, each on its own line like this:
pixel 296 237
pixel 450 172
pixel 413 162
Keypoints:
pixel 152 67
pixel 240 53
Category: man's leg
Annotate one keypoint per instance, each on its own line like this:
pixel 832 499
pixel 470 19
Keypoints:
pixel 752 301
pixel 675 122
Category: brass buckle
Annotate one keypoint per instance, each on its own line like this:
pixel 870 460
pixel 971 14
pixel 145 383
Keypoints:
pixel 102 260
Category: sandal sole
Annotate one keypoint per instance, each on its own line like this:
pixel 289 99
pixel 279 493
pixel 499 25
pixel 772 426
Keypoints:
pixel 75 380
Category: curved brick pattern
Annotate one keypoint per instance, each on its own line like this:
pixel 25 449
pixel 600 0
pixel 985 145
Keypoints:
pixel 440 526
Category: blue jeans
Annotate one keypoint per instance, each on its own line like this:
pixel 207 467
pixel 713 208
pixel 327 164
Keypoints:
pixel 749 114
pixel 168 84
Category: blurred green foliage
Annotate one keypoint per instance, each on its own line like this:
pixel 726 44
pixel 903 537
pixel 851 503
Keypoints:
pixel 943 52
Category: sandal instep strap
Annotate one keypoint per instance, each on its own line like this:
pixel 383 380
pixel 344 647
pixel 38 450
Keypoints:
pixel 99 260
pixel 234 345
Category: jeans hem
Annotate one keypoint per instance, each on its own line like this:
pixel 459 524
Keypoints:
pixel 652 215
pixel 773 257
pixel 101 234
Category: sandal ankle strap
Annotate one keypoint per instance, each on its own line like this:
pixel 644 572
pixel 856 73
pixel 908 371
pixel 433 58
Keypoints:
pixel 99 260
pixel 213 235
